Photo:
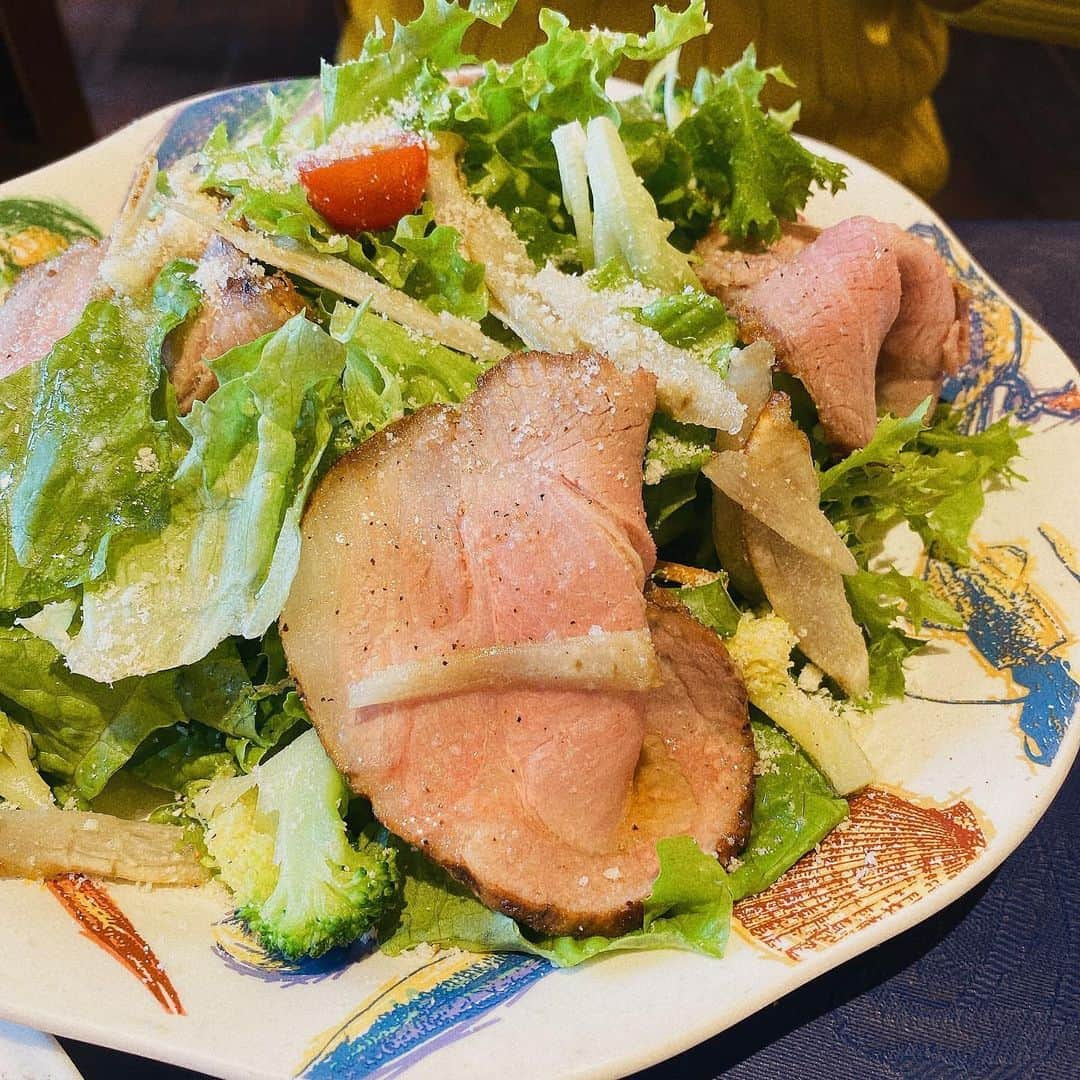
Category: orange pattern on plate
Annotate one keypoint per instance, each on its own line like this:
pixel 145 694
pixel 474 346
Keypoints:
pixel 888 854
pixel 104 923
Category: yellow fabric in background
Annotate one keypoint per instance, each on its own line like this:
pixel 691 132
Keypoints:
pixel 864 69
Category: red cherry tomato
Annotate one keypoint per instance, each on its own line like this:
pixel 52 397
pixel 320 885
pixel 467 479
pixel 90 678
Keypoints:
pixel 370 190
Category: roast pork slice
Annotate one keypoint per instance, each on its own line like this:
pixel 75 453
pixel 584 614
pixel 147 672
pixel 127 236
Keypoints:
pixel 724 266
pixel 930 336
pixel 45 304
pixel 240 304
pixel 827 312
pixel 518 519
pixel 865 315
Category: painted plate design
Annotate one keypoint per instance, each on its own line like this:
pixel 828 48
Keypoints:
pixel 965 767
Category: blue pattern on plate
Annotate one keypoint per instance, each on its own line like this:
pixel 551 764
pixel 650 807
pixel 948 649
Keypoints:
pixel 428 1020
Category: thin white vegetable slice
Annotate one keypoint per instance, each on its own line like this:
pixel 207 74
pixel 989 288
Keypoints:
pixel 811 598
pixel 489 239
pixel 569 143
pixel 604 660
pixel 345 279
pixel 43 842
pixel 626 221
pixel 750 376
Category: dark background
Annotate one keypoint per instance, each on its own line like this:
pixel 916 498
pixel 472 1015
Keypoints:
pixel 991 986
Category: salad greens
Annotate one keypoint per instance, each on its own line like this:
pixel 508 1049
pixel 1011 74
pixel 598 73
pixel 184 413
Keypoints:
pixel 224 563
pixel 100 447
pixel 929 475
pixel 138 635
pixel 20 783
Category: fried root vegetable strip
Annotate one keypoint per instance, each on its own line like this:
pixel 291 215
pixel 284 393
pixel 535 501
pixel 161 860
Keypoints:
pixel 353 284
pixel 773 480
pixel 618 660
pixel 42 843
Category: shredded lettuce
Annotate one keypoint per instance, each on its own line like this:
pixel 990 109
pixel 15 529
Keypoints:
pixel 83 731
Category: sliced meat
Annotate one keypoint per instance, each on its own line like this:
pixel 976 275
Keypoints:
pixel 45 303
pixel 930 336
pixel 865 316
pixel 724 266
pixel 826 312
pixel 240 304
pixel 517 519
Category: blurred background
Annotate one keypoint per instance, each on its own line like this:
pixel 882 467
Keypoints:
pixel 1008 101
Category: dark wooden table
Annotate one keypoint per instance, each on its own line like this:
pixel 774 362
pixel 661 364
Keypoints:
pixel 988 987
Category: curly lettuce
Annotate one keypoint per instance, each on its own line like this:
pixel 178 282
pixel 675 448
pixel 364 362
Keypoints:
pixel 931 476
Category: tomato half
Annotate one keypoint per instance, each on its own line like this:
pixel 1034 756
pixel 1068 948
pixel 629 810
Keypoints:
pixel 370 190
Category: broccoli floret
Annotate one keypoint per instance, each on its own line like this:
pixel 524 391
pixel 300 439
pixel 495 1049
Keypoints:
pixel 278 840
pixel 20 783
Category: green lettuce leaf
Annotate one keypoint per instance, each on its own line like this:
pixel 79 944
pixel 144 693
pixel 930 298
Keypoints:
pixel 794 808
pixel 170 759
pixel 931 476
pixel 167 729
pixel 879 601
pixel 404 68
pixel 693 320
pixel 714 156
pixel 418 257
pixel 508 116
pixel 674 456
pixel 711 605
pixel 83 731
pixel 390 371
pixel 675 449
pixel 89 435
pixel 20 782
pixel 689 908
pixel 224 563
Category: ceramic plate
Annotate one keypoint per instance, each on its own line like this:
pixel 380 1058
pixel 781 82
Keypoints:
pixel 965 766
